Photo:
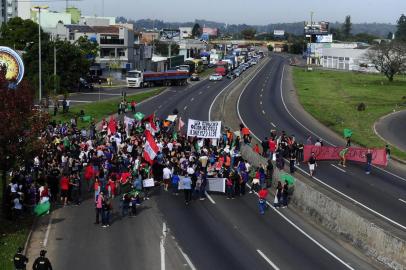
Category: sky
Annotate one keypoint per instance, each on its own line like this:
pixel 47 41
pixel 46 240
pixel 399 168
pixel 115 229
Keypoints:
pixel 243 11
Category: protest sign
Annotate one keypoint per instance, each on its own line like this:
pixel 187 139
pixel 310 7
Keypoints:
pixel 148 182
pixel 204 129
pixel 216 184
pixel 139 116
pixel 353 154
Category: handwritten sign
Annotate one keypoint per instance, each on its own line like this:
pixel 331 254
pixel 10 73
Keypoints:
pixel 204 129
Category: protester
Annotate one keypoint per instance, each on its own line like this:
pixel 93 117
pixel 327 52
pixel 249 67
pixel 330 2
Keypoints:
pixel 342 156
pixel 262 194
pixel 368 159
pixel 20 260
pixel 312 164
pixel 285 193
pixel 187 188
pixel 42 263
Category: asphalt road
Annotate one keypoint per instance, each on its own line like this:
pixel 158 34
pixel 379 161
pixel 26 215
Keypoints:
pixel 383 191
pixel 209 234
pixel 392 128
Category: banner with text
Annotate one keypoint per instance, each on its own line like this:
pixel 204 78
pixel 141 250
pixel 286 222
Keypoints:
pixel 216 184
pixel 204 129
pixel 353 154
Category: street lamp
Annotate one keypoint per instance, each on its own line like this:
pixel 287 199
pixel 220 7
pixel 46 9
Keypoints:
pixel 39 48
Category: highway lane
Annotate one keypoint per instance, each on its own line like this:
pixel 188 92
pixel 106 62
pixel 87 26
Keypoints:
pixel 392 128
pixel 379 191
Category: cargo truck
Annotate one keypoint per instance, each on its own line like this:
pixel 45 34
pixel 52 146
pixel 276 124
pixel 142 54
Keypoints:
pixel 139 79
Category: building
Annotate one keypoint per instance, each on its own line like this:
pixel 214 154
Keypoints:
pixel 149 36
pixel 9 9
pixel 347 59
pixel 49 19
pixel 185 32
pixel 24 10
pixel 75 14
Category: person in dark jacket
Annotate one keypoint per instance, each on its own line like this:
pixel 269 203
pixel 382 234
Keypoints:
pixel 42 263
pixel 285 194
pixel 20 261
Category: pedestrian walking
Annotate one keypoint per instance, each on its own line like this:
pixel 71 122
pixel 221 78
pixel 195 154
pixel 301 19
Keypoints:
pixel 342 156
pixel 312 164
pixel 262 194
pixel 368 159
pixel 42 262
pixel 292 161
pixel 387 151
pixel 187 189
pixel 20 261
pixel 285 194
pixel 279 189
pixel 99 206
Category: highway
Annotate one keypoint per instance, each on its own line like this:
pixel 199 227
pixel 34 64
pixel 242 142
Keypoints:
pixel 213 234
pixel 382 193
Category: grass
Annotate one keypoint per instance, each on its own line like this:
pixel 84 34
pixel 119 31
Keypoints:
pixel 13 234
pixel 101 109
pixel 206 72
pixel 332 98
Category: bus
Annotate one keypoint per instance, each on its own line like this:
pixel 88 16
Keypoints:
pixel 196 65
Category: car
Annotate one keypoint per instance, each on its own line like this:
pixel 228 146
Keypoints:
pixel 215 77
pixel 236 73
pixel 231 75
pixel 194 77
pixel 84 85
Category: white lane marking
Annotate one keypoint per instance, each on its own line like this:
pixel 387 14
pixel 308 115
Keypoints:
pixel 191 100
pixel 273 124
pixel 260 103
pixel 185 108
pixel 214 100
pixel 332 188
pixel 262 90
pixel 338 168
pixel 403 201
pixel 263 112
pixel 160 106
pixel 162 246
pixel 267 260
pixel 306 234
pixel 200 92
pixel 47 232
pixel 260 95
pixel 189 262
pixel 209 197
pixel 287 110
pixel 208 86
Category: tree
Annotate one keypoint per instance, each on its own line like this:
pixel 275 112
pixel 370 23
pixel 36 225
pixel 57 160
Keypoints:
pixel 162 48
pixel 248 33
pixel 337 34
pixel 347 27
pixel 270 48
pixel 197 31
pixel 21 128
pixel 73 60
pixel 401 29
pixel 389 58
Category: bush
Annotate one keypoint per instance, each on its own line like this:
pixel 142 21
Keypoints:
pixel 361 107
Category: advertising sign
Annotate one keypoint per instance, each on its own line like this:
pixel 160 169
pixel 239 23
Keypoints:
pixel 278 32
pixel 316 28
pixel 13 63
pixel 324 38
pixel 204 129
pixel 353 154
pixel 210 31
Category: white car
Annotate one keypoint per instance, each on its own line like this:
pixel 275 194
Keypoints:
pixel 215 77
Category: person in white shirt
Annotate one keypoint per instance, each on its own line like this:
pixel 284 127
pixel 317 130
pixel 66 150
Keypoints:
pixel 167 177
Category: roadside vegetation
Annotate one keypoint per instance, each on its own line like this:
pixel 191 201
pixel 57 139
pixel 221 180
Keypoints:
pixel 99 110
pixel 334 98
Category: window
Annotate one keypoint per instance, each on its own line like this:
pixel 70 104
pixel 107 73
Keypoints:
pixel 111 39
pixel 107 52
pixel 121 52
pixel 71 36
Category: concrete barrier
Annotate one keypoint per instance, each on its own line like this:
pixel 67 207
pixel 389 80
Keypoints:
pixel 372 240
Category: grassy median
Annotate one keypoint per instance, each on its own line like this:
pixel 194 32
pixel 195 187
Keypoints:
pixel 332 97
pixel 101 109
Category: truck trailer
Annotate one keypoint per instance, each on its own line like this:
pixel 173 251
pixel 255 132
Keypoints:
pixel 139 79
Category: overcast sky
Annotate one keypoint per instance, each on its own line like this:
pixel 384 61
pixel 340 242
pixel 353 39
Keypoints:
pixel 244 11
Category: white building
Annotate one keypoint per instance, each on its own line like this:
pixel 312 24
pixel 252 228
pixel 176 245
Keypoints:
pixel 185 32
pixel 24 10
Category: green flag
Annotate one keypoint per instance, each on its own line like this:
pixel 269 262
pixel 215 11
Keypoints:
pixel 175 135
pixel 289 178
pixel 139 116
pixel 42 208
pixel 347 132
pixel 86 118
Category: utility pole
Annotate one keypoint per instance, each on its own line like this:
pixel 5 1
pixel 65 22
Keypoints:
pixel 54 68
pixel 39 50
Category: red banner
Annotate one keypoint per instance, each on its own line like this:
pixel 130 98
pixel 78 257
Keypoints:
pixel 353 154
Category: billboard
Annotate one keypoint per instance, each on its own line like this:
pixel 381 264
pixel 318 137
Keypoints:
pixel 210 31
pixel 170 34
pixel 316 28
pixel 324 38
pixel 278 32
pixel 14 65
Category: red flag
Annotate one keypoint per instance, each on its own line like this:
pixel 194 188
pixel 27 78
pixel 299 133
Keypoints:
pixel 150 126
pixel 150 148
pixel 112 126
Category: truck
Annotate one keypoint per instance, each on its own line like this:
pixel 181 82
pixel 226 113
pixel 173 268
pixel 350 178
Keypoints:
pixel 221 68
pixel 139 79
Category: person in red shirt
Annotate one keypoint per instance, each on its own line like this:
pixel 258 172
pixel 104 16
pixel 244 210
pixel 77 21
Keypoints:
pixel 64 185
pixel 262 194
pixel 256 148
pixel 272 147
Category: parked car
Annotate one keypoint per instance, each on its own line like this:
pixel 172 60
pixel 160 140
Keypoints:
pixel 84 85
pixel 215 77
pixel 194 77
pixel 230 75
